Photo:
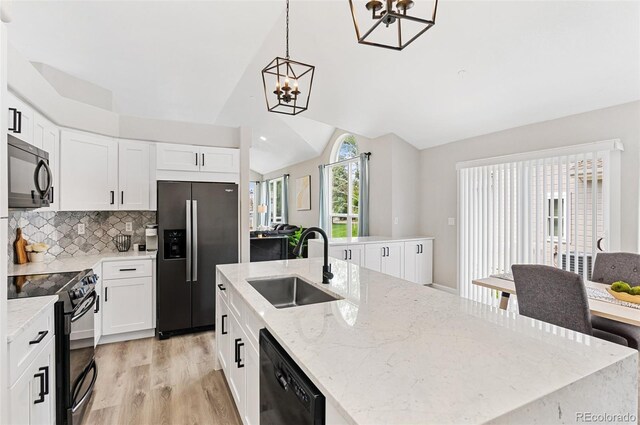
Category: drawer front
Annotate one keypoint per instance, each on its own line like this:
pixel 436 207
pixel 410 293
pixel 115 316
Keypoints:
pixel 26 347
pixel 126 269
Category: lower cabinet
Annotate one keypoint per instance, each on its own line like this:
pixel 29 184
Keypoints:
pixel 418 261
pixel 385 258
pixel 127 305
pixel 353 254
pixel 238 353
pixel 32 396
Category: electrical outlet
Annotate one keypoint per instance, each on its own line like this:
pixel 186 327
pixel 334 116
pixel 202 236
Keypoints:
pixel 81 228
pixel 128 227
pixel 452 221
pixel 395 220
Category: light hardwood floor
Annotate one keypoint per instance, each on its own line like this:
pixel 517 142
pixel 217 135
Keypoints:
pixel 153 382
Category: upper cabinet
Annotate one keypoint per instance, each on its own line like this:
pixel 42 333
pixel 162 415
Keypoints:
pixel 219 160
pixel 133 175
pixel 173 157
pixel 178 157
pixel 20 120
pixel 88 172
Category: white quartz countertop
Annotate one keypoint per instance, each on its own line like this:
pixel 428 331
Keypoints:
pixel 70 264
pixel 393 352
pixel 370 239
pixel 22 311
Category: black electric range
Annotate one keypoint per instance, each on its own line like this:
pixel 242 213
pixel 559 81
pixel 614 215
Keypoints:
pixel 78 301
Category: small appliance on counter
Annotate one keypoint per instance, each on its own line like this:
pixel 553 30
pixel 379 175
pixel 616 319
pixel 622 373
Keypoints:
pixel 76 369
pixel 151 237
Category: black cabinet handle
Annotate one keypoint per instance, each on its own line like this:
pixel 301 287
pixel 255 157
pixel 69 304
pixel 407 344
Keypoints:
pixel 203 160
pixel 14 126
pixel 196 158
pixel 129 270
pixel 113 197
pixel 122 197
pixel 349 254
pixel 345 255
pixel 421 248
pixel 237 349
pixel 97 304
pixel 106 294
pixel 220 287
pixel 45 369
pixel 224 332
pixel 39 338
pixel 41 393
pixel 19 129
pixel 240 365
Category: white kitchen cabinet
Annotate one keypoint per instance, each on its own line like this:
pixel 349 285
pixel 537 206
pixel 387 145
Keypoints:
pixel 418 263
pixel 32 396
pixel 127 305
pixel 387 258
pixel 353 254
pixel 177 157
pixel 236 375
pixel 88 172
pixel 222 332
pixel 237 333
pixel 20 119
pixel 133 175
pixel 219 160
pixel 46 136
pixel 252 386
pixel 174 157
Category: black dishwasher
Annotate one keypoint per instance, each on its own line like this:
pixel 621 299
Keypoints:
pixel 287 396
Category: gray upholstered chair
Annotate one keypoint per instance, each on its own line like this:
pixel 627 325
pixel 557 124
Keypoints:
pixel 609 268
pixel 556 296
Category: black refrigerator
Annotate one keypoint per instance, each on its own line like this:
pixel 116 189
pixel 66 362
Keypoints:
pixel 198 229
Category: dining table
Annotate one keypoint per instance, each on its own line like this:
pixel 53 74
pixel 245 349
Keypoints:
pixel 599 307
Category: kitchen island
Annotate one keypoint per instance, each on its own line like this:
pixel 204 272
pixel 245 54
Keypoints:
pixel 393 352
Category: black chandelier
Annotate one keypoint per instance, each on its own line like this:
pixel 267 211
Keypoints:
pixel 287 83
pixel 393 28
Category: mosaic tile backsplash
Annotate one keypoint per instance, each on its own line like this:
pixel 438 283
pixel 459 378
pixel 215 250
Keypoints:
pixel 59 230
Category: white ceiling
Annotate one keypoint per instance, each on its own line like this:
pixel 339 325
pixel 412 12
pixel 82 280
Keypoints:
pixel 200 61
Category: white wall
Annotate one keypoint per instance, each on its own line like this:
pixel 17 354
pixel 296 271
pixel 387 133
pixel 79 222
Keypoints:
pixel 4 225
pixel 393 167
pixel 439 179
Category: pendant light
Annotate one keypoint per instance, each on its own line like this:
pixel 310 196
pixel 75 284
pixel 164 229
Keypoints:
pixel 287 83
pixel 392 25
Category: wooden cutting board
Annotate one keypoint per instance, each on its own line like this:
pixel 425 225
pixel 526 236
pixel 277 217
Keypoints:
pixel 19 246
pixel 623 296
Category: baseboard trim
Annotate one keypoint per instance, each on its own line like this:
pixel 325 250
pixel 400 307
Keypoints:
pixel 448 289
pixel 127 336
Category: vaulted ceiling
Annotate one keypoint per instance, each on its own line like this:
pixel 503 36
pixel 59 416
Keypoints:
pixel 484 67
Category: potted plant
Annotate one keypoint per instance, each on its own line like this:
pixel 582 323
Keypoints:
pixel 294 239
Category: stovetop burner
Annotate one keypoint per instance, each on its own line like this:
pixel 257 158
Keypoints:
pixel 38 285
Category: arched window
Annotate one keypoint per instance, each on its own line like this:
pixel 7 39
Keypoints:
pixel 346 147
pixel 344 187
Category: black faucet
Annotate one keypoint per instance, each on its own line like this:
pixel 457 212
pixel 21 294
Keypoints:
pixel 326 268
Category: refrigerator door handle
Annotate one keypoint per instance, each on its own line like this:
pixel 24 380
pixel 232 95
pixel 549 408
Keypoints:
pixel 195 240
pixel 188 240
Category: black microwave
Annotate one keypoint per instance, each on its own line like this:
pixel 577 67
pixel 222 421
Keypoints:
pixel 30 178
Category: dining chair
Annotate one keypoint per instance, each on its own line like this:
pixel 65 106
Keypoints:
pixel 611 267
pixel 556 296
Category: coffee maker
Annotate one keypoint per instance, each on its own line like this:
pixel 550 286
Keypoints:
pixel 151 236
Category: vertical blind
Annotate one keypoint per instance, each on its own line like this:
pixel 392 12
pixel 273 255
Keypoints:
pixel 552 210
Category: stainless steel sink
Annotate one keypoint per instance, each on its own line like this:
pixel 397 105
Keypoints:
pixel 290 291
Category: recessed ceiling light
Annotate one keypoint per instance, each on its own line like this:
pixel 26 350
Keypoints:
pixel 264 139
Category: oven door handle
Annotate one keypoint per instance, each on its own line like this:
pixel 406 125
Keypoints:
pixel 93 295
pixel 76 404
